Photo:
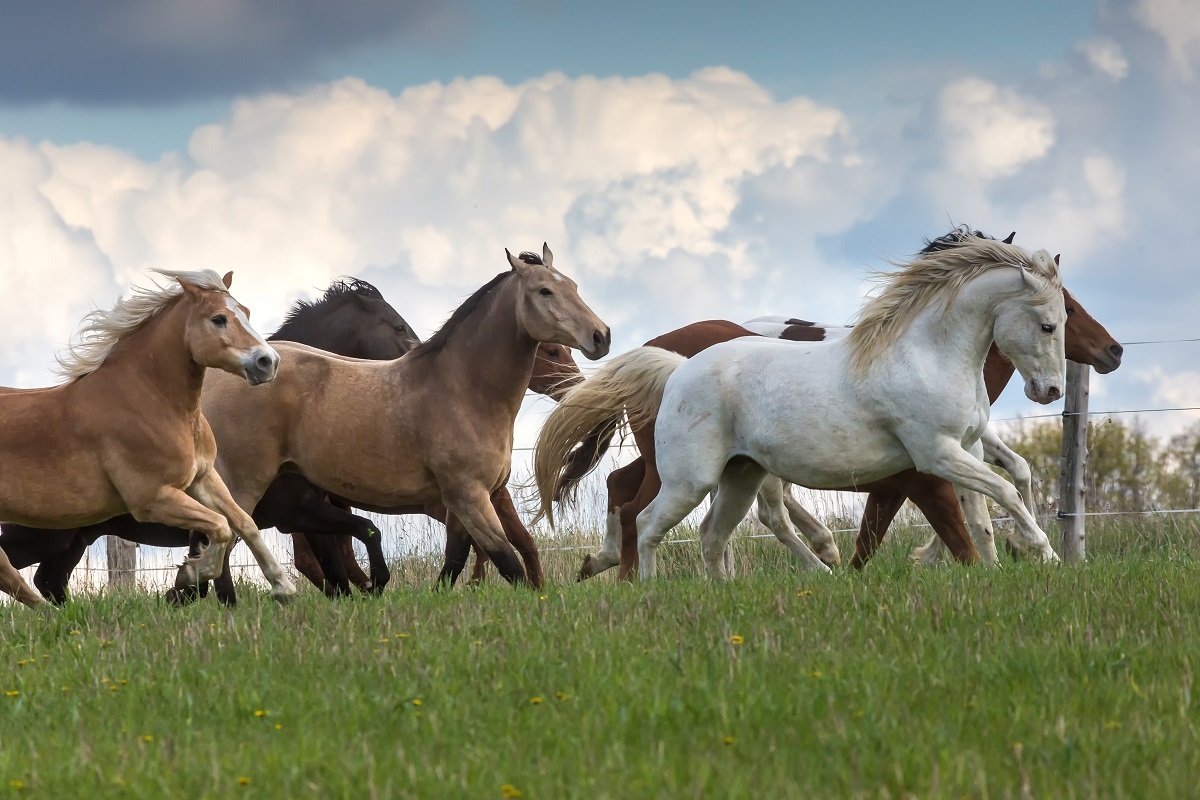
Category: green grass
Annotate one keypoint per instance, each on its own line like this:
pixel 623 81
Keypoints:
pixel 1030 680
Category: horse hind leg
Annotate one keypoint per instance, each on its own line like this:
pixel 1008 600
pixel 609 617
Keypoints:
pixel 819 537
pixel 667 510
pixel 774 513
pixel 623 485
pixel 736 490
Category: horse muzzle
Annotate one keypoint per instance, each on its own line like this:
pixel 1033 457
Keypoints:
pixel 261 366
pixel 1043 392
pixel 599 344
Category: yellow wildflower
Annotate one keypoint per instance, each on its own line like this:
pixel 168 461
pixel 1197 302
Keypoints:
pixel 736 639
pixel 508 791
pixel 535 701
pixel 728 740
pixel 243 781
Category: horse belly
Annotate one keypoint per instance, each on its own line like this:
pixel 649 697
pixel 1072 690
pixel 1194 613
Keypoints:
pixel 824 449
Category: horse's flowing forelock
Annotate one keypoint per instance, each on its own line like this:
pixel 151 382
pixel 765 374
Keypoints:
pixel 937 277
pixel 101 330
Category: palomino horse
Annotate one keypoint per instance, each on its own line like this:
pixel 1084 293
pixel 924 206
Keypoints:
pixel 908 382
pixel 351 318
pixel 633 486
pixel 125 432
pixel 434 426
pixel 554 371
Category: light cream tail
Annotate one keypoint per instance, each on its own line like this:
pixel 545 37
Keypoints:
pixel 632 382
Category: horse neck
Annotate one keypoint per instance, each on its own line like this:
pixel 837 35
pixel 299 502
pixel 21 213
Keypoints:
pixel 315 331
pixel 963 332
pixel 997 372
pixel 491 351
pixel 154 358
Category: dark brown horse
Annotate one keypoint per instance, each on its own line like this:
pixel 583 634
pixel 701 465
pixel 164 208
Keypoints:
pixel 633 486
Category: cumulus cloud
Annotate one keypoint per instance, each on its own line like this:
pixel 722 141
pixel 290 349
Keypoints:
pixel 991 131
pixel 635 182
pixel 151 51
pixel 1105 56
pixel 1178 23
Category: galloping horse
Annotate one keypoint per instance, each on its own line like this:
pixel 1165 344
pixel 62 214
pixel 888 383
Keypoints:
pixel 554 371
pixel 351 318
pixel 632 486
pixel 434 426
pixel 908 381
pixel 125 432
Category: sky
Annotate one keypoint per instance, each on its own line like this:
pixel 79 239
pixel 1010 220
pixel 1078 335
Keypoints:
pixel 684 161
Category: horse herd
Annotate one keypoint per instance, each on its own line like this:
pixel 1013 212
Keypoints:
pixel 345 408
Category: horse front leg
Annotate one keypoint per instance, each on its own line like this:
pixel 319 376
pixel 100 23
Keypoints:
pixel 947 459
pixel 11 583
pixel 472 505
pixel 210 489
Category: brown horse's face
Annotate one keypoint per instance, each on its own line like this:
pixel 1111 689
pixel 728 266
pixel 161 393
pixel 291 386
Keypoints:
pixel 550 310
pixel 1087 340
pixel 554 371
pixel 219 335
pixel 379 331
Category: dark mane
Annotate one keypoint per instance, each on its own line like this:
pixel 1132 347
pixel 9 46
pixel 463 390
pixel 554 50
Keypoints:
pixel 950 239
pixel 340 290
pixel 530 258
pixel 435 343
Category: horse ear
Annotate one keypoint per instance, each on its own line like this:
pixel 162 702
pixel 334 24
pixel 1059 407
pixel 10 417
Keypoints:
pixel 547 256
pixel 1034 282
pixel 517 264
pixel 228 279
pixel 1056 255
pixel 190 289
pixel 1010 238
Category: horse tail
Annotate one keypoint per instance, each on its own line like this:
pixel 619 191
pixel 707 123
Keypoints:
pixel 584 458
pixel 632 383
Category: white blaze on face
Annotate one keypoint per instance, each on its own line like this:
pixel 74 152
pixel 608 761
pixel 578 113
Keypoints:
pixel 240 316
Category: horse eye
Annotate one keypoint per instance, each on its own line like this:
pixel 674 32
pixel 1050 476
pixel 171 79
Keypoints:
pixel 400 329
pixel 1047 327
pixel 1070 310
pixel 220 320
pixel 545 292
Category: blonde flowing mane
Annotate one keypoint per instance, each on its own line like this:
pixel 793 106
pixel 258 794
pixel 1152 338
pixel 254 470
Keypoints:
pixel 101 330
pixel 936 278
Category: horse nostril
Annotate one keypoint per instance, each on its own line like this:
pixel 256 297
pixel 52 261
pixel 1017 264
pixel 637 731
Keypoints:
pixel 598 338
pixel 1054 393
pixel 1116 350
pixel 264 363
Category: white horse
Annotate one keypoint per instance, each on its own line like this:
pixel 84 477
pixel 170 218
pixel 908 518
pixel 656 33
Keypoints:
pixel 903 389
pixel 990 449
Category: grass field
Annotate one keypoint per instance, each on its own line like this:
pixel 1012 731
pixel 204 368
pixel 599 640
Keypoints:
pixel 1026 681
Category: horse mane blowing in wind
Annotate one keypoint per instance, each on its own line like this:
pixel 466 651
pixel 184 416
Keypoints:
pixel 904 389
pixel 101 444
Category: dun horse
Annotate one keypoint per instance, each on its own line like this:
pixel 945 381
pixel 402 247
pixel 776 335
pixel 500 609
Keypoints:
pixel 776 417
pixel 435 426
pixel 125 432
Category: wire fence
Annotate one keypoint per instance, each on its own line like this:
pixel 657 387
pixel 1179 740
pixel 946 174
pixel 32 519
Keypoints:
pixel 157 567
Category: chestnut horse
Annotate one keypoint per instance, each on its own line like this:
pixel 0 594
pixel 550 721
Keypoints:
pixel 434 426
pixel 554 371
pixel 351 318
pixel 126 433
pixel 633 486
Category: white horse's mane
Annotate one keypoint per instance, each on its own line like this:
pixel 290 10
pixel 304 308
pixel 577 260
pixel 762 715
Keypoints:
pixel 101 330
pixel 937 277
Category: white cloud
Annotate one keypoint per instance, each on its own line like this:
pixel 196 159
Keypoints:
pixel 1170 389
pixel 1178 23
pixel 1105 56
pixel 991 131
pixel 620 175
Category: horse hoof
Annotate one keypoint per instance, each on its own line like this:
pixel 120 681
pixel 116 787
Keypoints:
pixel 586 571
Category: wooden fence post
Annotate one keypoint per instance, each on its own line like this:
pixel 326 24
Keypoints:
pixel 1071 505
pixel 122 562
